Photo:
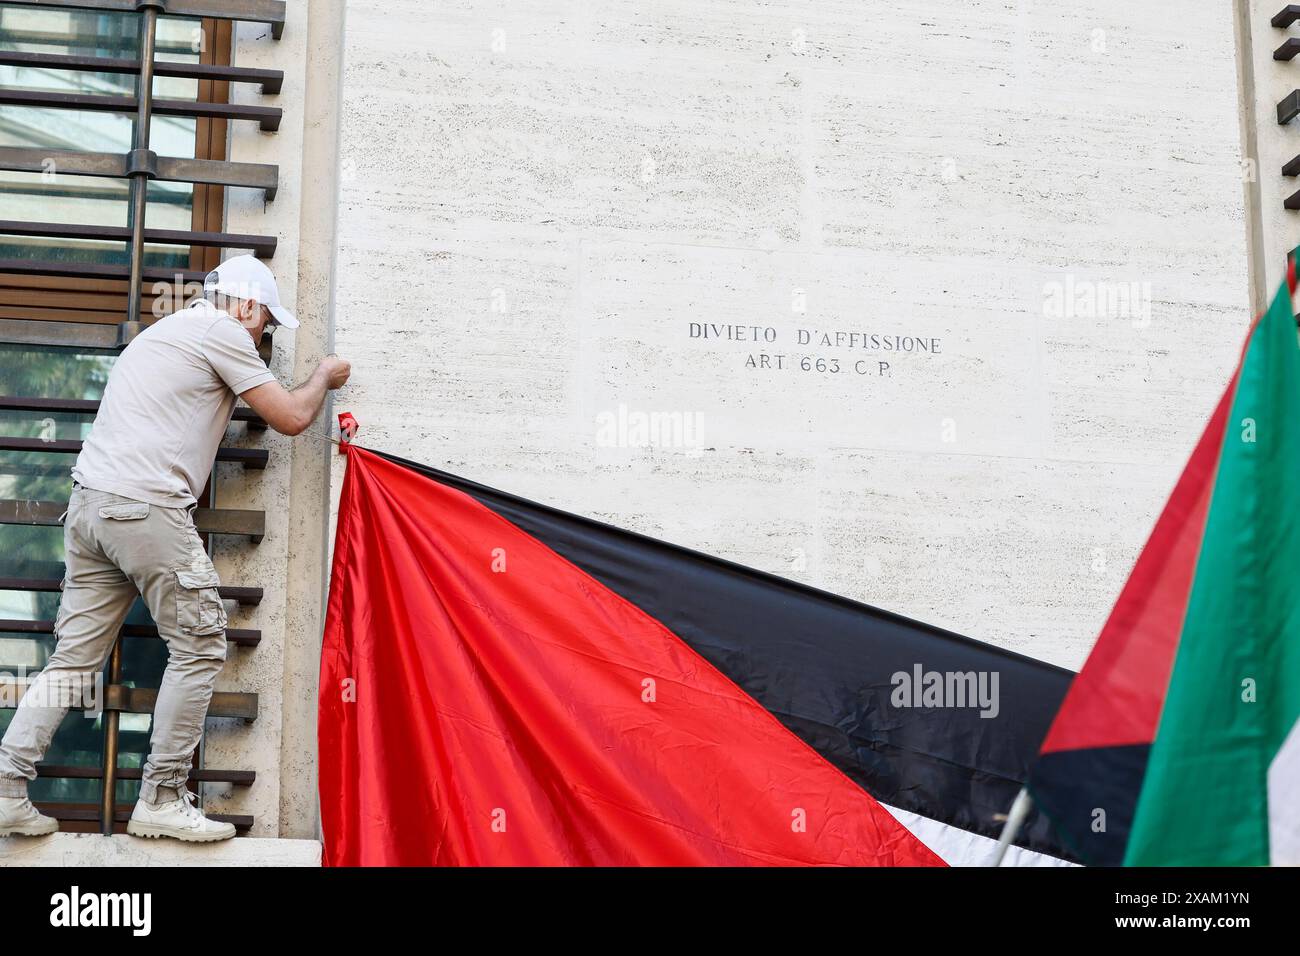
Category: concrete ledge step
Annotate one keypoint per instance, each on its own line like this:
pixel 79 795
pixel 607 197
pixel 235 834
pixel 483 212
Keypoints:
pixel 92 849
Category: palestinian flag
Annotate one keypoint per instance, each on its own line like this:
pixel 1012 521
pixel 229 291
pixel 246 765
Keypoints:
pixel 1177 743
pixel 503 683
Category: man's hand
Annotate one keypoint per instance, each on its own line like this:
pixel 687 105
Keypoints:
pixel 291 412
pixel 337 371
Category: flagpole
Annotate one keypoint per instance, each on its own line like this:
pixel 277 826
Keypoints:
pixel 1015 817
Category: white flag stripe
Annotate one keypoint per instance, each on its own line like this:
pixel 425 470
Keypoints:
pixel 1283 805
pixel 960 847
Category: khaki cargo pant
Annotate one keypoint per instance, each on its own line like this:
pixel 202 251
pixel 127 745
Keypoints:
pixel 115 548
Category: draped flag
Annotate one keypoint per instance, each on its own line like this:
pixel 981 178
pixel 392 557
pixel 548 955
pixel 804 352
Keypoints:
pixel 1177 743
pixel 503 683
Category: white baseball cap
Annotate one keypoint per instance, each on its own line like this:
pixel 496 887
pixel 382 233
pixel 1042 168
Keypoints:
pixel 245 277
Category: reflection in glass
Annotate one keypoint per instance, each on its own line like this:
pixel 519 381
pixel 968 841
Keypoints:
pixel 49 197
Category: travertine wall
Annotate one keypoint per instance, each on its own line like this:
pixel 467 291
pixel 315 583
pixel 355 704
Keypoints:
pixel 544 206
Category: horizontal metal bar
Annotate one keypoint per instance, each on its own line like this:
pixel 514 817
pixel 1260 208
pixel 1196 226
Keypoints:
pixel 215 172
pixel 141 700
pixel 51 771
pixel 271 81
pixel 1292 168
pixel 124 44
pixel 1292 201
pixel 97 270
pixel 94 336
pixel 251 11
pixel 75 813
pixel 1288 50
pixel 1289 108
pixel 83 336
pixel 268 117
pixel 262 246
pixel 90 406
pixel 206 520
pixel 55 162
pixel 171 169
pixel 241 636
pixel 241 595
pixel 1286 16
pixel 245 597
pixel 254 458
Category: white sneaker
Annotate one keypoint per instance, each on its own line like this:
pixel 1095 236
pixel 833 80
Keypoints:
pixel 179 819
pixel 19 817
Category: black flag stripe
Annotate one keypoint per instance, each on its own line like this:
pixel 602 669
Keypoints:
pixel 824 665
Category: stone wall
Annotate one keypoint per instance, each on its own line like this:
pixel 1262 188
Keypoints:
pixel 91 849
pixel 544 207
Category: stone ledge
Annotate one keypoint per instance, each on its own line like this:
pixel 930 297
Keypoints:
pixel 91 849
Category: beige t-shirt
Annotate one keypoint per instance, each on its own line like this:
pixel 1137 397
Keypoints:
pixel 165 409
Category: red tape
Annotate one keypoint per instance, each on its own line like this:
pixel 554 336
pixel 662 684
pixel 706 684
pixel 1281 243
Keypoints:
pixel 347 429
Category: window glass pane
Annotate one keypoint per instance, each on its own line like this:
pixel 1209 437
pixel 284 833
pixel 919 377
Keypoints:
pixel 177 40
pixel 83 32
pixel 89 200
pixel 80 32
pixel 49 197
pixel 110 35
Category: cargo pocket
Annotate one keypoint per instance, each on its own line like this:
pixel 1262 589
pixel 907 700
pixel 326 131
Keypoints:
pixel 198 604
pixel 62 612
pixel 130 511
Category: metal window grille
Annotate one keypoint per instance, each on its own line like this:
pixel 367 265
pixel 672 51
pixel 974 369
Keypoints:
pixel 62 303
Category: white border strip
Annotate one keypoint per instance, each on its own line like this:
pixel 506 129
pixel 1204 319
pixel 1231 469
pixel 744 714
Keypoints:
pixel 960 847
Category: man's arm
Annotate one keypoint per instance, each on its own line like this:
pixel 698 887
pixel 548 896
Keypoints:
pixel 290 411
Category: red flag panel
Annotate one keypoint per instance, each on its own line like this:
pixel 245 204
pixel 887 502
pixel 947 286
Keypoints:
pixel 1117 697
pixel 485 702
